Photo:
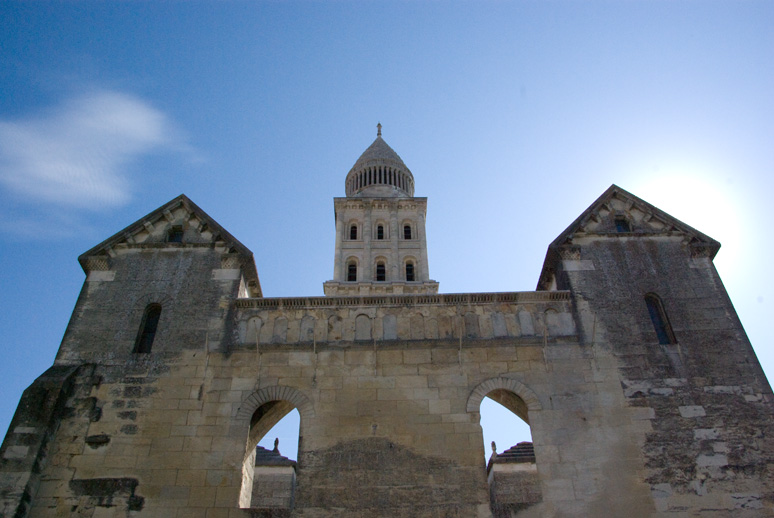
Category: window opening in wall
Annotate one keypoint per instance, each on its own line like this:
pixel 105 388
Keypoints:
pixel 406 231
pixel 175 234
pixel 380 232
pixel 509 454
pixel 380 271
pixel 269 466
pixel 659 319
pixel 147 333
pixel 352 272
pixel 410 272
pixel 622 225
pixel 353 232
pixel 286 430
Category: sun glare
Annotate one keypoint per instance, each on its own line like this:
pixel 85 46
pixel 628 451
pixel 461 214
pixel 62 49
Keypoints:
pixel 704 201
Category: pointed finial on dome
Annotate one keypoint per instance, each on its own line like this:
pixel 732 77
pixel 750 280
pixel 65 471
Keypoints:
pixel 378 129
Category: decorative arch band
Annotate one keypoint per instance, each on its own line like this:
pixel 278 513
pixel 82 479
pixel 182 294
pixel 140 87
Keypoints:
pixel 275 393
pixel 518 388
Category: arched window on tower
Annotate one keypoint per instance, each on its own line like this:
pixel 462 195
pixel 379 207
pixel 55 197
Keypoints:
pixel 659 319
pixel 353 232
pixel 380 232
pixel 410 272
pixel 406 231
pixel 381 274
pixel 147 333
pixel 352 271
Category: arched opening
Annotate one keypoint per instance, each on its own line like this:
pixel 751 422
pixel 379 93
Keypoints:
pixel 353 232
pixel 362 328
pixel 380 232
pixel 269 466
pixel 502 426
pixel 381 271
pixel 406 231
pixel 351 271
pixel 148 326
pixel 659 319
pixel 511 466
pixel 410 272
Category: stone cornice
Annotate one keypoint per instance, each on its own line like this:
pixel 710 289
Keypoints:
pixel 450 299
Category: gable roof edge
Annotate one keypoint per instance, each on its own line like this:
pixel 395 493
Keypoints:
pixel 552 255
pixel 250 271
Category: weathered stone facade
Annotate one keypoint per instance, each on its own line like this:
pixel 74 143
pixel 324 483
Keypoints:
pixel 642 391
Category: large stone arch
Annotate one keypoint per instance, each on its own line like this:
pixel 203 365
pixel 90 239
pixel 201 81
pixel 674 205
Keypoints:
pixel 503 391
pixel 276 393
pixel 259 412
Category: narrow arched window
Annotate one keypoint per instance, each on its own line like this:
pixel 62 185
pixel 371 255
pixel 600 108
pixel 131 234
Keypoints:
pixel 352 272
pixel 353 232
pixel 659 318
pixel 150 321
pixel 381 274
pixel 380 232
pixel 406 231
pixel 410 272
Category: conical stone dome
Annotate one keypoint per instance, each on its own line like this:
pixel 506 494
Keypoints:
pixel 379 173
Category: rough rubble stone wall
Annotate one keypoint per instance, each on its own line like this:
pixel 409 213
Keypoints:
pixel 87 435
pixel 273 488
pixel 189 283
pixel 513 491
pixel 23 453
pixel 709 450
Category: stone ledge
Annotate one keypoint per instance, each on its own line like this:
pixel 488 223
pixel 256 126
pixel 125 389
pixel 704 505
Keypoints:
pixel 516 297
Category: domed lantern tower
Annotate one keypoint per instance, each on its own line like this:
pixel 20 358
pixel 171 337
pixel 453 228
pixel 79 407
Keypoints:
pixel 380 229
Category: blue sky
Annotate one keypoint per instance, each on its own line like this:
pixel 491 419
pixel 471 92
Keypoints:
pixel 512 116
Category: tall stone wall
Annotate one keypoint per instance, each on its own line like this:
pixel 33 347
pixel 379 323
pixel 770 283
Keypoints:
pixel 388 426
pixel 389 387
pixel 708 450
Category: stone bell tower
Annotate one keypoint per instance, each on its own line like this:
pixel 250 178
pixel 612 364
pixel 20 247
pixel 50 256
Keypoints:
pixel 380 229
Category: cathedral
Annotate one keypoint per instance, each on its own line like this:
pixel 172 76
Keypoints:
pixel 628 362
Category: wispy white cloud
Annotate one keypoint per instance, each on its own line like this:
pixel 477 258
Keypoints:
pixel 77 154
